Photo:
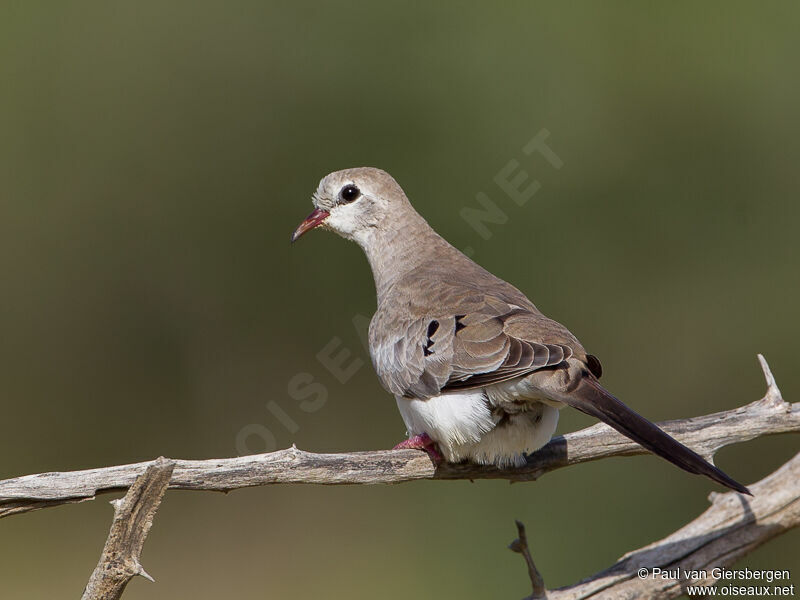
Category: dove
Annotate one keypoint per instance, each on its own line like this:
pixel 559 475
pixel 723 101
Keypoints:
pixel 479 374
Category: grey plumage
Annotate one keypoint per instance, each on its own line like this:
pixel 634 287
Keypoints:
pixel 482 337
pixel 470 360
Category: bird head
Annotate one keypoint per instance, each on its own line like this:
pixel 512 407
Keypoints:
pixel 354 203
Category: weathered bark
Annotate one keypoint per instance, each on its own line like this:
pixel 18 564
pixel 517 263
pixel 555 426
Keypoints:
pixel 133 517
pixel 705 434
pixel 733 526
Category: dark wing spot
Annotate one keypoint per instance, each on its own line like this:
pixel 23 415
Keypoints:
pixel 594 365
pixel 432 327
pixel 459 324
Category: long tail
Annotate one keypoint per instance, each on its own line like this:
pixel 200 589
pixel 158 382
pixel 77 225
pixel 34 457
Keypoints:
pixel 593 399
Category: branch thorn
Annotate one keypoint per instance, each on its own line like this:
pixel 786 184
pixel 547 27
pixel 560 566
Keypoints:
pixel 773 395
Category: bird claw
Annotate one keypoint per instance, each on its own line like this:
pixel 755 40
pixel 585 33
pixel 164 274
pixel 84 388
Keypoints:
pixel 422 442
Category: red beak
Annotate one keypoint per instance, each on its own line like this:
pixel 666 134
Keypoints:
pixel 311 221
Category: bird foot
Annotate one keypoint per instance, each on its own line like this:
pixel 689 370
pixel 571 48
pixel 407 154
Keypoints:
pixel 422 442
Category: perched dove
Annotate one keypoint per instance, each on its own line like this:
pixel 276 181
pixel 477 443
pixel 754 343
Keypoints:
pixel 477 371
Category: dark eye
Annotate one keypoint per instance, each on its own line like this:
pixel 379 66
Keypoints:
pixel 349 193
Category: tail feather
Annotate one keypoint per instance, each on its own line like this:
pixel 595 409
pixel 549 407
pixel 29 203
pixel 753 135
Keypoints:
pixel 593 399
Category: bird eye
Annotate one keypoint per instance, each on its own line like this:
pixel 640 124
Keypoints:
pixel 349 193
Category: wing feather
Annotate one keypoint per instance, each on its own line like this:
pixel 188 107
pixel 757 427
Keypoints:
pixel 461 340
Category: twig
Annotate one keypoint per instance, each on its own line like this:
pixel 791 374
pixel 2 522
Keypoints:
pixel 133 517
pixel 706 434
pixel 520 546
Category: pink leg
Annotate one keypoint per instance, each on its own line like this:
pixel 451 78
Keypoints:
pixel 422 442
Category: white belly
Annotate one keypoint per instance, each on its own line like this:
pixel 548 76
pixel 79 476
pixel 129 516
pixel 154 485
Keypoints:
pixel 479 427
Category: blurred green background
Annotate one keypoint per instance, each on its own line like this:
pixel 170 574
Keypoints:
pixel 155 157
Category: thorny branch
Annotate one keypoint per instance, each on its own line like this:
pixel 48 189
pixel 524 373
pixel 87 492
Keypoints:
pixel 706 435
pixel 731 527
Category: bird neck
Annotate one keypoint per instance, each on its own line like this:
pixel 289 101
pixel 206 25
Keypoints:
pixel 394 252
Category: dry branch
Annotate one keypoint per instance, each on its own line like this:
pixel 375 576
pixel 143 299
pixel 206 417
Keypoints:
pixel 706 434
pixel 133 517
pixel 733 526
pixel 730 528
